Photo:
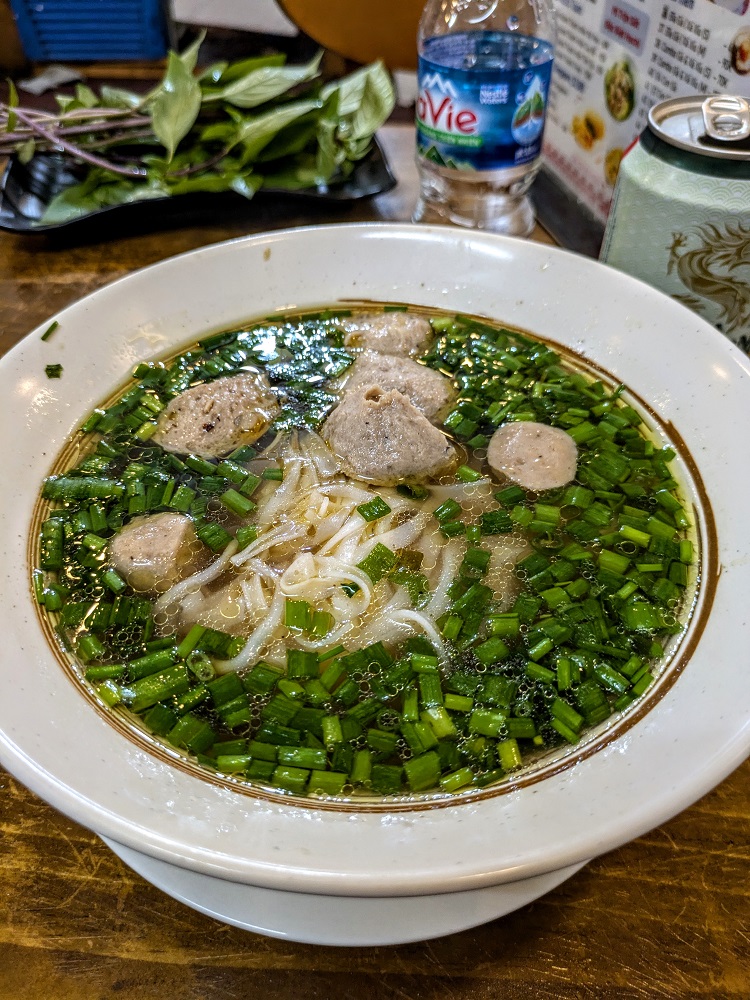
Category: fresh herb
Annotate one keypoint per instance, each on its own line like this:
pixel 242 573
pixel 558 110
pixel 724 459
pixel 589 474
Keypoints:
pixel 50 330
pixel 53 371
pixel 228 127
pixel 374 509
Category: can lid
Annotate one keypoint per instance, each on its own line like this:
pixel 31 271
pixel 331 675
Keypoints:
pixel 717 126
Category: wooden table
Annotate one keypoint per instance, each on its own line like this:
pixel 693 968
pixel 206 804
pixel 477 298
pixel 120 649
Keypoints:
pixel 665 917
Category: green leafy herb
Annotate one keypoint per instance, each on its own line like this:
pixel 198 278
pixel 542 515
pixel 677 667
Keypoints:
pixel 176 106
pixel 263 83
pixel 229 127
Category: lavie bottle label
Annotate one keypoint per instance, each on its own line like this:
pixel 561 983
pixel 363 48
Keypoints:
pixel 491 115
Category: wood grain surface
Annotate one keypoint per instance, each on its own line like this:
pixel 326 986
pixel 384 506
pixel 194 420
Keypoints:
pixel 665 917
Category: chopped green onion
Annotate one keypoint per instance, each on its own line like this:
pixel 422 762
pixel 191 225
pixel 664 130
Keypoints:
pixel 301 663
pixel 374 509
pixel 237 503
pixel 297 615
pixel 447 511
pixel 496 522
pixel 378 563
pixel 452 528
pixel 245 534
pixel 422 772
pixel 213 535
pixel 455 780
pixel 491 651
pixel 465 474
pixel 509 754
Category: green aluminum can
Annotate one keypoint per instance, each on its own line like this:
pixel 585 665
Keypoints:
pixel 680 215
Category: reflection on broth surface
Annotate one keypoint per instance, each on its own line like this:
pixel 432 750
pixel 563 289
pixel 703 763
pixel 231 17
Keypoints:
pixel 358 552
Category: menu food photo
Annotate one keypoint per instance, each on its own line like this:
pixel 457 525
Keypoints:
pixel 616 59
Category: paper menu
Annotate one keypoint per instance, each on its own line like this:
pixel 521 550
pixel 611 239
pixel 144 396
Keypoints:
pixel 614 60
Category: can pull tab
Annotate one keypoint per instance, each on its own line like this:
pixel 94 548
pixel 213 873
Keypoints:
pixel 726 118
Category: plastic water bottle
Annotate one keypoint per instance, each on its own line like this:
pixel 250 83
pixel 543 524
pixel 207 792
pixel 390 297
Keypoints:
pixel 484 75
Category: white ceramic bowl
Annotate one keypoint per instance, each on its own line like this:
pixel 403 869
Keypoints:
pixel 647 766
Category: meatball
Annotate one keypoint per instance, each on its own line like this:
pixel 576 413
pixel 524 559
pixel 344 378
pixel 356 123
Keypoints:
pixel 536 456
pixel 155 551
pixel 382 438
pixel 214 418
pixel 390 333
pixel 427 389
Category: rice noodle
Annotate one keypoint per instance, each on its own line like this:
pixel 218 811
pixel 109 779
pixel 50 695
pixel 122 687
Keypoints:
pixel 275 653
pixel 193 583
pixel 319 454
pixel 190 606
pixel 327 528
pixel 276 536
pixel 314 578
pixel 394 538
pixel 429 628
pixel 257 640
pixel 284 493
pixel 316 507
pixel 354 527
pixel 224 609
pixel 329 639
pixel 254 595
pixel 452 556
pixel 380 626
pixel 430 544
pixel 263 570
pixel 347 490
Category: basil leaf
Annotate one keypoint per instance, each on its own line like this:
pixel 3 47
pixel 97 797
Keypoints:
pixel 302 174
pixel 99 190
pixel 246 184
pixel 236 70
pixel 366 99
pixel 264 84
pixel 189 58
pixel 116 97
pixel 176 106
pixel 329 154
pixel 219 132
pixel 293 139
pixel 212 73
pixel 255 133
pixel 209 182
pixel 85 96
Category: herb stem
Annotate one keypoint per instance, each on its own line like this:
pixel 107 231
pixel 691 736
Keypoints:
pixel 56 140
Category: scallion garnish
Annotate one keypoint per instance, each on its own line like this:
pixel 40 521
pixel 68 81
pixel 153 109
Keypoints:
pixel 374 509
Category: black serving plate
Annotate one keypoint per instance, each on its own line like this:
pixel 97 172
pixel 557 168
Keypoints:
pixel 27 189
